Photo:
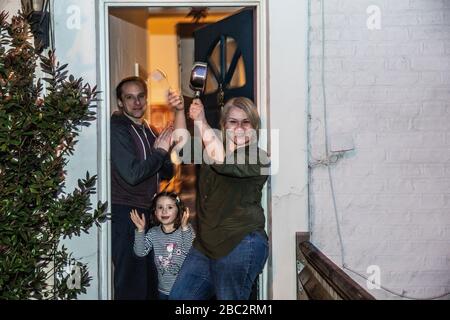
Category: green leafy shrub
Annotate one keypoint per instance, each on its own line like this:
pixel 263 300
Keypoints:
pixel 37 134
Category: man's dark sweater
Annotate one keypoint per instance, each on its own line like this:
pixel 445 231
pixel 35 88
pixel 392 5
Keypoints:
pixel 136 166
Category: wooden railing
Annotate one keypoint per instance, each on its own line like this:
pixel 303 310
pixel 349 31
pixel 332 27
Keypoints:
pixel 320 279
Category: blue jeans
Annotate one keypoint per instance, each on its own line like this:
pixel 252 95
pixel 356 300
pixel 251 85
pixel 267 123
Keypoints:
pixel 228 278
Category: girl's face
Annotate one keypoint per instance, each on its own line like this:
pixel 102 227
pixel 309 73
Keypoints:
pixel 238 127
pixel 166 212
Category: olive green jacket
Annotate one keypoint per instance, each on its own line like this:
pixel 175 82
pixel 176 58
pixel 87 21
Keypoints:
pixel 229 201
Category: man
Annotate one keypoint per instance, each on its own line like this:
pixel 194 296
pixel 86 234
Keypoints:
pixel 139 159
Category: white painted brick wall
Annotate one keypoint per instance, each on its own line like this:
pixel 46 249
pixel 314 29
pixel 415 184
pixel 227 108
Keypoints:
pixel 389 89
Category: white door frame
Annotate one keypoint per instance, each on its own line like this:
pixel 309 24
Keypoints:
pixel 104 168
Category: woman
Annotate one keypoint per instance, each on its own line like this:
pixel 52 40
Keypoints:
pixel 231 247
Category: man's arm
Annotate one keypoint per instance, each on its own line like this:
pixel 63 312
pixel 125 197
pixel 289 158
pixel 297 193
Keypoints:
pixel 167 168
pixel 125 160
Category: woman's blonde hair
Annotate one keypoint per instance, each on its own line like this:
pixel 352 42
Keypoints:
pixel 246 105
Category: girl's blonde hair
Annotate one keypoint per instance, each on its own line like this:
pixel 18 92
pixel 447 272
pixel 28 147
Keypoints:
pixel 246 105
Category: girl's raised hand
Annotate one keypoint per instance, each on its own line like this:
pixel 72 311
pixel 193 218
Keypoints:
pixel 185 219
pixel 137 220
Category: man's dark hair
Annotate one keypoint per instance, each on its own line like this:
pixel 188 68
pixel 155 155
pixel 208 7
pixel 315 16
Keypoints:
pixel 129 79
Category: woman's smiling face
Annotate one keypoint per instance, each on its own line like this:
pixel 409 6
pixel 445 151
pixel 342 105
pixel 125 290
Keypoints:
pixel 238 127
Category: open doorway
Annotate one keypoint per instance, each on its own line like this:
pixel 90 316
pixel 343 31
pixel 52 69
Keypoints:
pixel 143 39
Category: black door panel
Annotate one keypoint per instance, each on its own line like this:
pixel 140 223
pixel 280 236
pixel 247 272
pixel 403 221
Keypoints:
pixel 228 48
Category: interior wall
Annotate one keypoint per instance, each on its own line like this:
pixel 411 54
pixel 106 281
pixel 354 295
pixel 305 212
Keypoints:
pixel 128 46
pixel 163 51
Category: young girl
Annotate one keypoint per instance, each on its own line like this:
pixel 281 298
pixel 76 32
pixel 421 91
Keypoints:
pixel 170 239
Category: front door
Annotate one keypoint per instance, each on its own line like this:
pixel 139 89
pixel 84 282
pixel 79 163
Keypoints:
pixel 227 46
